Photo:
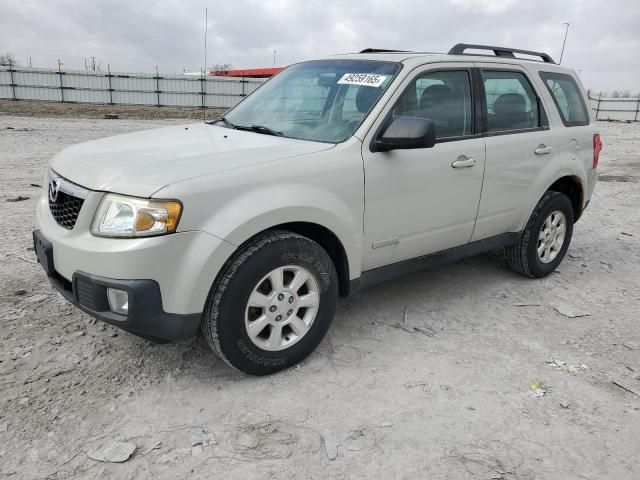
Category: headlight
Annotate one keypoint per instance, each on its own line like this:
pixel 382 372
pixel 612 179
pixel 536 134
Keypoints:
pixel 127 217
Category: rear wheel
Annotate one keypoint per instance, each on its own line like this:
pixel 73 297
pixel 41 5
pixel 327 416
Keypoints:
pixel 545 239
pixel 273 303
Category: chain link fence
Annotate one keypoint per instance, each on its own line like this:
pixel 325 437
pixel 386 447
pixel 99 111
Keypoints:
pixel 173 90
pixel 622 109
pixel 117 88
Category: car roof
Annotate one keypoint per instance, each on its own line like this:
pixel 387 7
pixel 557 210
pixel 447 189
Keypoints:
pixel 419 58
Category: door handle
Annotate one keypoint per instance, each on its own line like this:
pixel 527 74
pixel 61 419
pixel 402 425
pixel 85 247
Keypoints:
pixel 464 162
pixel 542 149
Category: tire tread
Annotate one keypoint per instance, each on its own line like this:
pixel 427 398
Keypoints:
pixel 516 255
pixel 209 324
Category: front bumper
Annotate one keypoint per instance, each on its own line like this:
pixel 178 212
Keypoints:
pixel 183 264
pixel 145 317
pixel 167 277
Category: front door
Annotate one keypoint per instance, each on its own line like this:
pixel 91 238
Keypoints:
pixel 422 201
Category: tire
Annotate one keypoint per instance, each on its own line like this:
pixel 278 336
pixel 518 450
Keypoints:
pixel 231 313
pixel 524 257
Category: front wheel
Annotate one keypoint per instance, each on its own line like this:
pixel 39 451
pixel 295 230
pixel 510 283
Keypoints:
pixel 273 303
pixel 545 239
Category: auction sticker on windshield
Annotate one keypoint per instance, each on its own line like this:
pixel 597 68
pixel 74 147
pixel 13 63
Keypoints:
pixel 367 79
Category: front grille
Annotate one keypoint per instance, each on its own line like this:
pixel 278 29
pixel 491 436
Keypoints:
pixel 66 209
pixel 65 200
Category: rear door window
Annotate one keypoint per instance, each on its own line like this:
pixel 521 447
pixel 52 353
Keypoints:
pixel 512 104
pixel 567 97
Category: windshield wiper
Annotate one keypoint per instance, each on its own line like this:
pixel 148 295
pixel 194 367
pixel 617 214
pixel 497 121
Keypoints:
pixel 259 129
pixel 249 128
pixel 226 122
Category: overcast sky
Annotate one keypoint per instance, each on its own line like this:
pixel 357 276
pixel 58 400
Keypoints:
pixel 137 35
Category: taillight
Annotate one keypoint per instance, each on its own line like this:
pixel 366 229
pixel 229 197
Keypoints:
pixel 597 146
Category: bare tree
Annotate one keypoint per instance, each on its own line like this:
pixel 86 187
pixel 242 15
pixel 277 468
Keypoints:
pixel 7 59
pixel 626 94
pixel 92 65
pixel 221 68
pixel 615 94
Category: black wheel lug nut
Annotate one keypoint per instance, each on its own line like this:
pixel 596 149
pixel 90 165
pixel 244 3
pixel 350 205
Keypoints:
pixel 289 312
pixel 272 308
pixel 278 318
pixel 290 299
pixel 280 297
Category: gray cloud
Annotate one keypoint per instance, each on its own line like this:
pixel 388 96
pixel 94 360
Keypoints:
pixel 136 36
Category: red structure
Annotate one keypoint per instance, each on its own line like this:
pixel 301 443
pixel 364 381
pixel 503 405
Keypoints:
pixel 248 72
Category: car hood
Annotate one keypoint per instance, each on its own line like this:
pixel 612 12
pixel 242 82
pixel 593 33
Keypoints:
pixel 141 163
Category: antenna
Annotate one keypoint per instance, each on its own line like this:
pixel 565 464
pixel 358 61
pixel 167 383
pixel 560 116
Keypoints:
pixel 204 78
pixel 564 42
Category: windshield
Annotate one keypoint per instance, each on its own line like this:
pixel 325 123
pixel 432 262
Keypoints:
pixel 324 100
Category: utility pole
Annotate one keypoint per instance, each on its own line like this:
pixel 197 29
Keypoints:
pixel 274 58
pixel 206 26
pixel 564 41
pixel 203 85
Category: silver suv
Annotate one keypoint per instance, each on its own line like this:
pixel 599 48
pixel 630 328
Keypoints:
pixel 334 175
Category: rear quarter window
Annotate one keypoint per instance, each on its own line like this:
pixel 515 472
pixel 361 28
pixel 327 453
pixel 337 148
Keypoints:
pixel 567 98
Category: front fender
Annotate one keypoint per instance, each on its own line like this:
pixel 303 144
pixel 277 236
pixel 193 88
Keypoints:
pixel 324 188
pixel 247 215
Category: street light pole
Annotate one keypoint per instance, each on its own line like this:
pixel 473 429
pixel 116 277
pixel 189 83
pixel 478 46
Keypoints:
pixel 274 58
pixel 564 41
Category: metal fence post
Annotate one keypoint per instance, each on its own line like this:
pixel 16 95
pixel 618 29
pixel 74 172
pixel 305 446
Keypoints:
pixel 635 118
pixel 203 90
pixel 157 87
pixel 109 81
pixel 60 76
pixel 598 106
pixel 13 84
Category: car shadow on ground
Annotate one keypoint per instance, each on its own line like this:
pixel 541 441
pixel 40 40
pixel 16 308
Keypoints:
pixel 473 279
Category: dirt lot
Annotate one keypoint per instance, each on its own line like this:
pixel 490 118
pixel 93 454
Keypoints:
pixel 448 395
pixel 27 108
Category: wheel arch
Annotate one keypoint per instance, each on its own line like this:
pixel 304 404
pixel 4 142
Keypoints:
pixel 572 187
pixel 327 238
pixel 331 244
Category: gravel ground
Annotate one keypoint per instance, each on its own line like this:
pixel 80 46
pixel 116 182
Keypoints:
pixel 433 375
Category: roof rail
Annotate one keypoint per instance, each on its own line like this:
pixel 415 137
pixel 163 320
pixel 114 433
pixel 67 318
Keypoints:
pixel 382 50
pixel 460 48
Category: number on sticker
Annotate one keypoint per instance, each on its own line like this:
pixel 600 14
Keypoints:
pixel 366 79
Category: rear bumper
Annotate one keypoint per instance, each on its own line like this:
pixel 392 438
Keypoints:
pixel 145 317
pixel 592 178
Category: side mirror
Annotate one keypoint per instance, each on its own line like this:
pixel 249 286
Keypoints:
pixel 404 133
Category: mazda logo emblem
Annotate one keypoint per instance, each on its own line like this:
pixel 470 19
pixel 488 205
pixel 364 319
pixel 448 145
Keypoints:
pixel 54 188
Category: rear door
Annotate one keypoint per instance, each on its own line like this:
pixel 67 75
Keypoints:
pixel 519 144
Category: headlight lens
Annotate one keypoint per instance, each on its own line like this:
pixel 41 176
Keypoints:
pixel 127 217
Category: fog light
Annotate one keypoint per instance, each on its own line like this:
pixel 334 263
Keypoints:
pixel 118 301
